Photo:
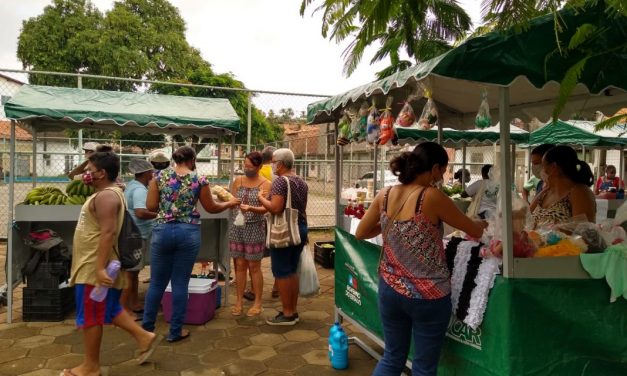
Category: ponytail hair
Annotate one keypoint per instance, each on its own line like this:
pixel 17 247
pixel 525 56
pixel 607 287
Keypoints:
pixel 566 159
pixel 409 165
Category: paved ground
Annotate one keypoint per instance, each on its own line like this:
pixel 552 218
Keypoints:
pixel 224 346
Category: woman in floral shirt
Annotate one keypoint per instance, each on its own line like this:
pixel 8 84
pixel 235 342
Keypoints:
pixel 173 193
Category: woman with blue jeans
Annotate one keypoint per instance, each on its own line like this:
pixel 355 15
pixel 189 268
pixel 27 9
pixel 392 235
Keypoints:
pixel 414 284
pixel 285 260
pixel 173 193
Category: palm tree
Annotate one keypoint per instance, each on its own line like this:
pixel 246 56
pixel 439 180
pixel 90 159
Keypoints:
pixel 421 28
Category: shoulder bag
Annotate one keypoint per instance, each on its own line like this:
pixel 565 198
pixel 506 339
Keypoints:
pixel 282 229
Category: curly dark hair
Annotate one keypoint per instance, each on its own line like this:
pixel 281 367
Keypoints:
pixel 408 165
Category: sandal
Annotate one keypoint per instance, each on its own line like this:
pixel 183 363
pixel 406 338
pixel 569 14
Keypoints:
pixel 236 310
pixel 249 295
pixel 67 372
pixel 275 293
pixel 184 334
pixel 254 311
pixel 144 355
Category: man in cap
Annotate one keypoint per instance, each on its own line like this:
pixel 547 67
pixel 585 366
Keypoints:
pixel 135 194
pixel 89 148
pixel 159 160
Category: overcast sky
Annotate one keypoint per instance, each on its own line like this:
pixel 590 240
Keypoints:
pixel 264 43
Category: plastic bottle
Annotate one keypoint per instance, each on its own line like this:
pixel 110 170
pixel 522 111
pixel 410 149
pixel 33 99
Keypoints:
pixel 99 293
pixel 338 347
pixel 349 211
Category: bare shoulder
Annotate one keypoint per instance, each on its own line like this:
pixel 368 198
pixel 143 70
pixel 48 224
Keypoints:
pixel 582 192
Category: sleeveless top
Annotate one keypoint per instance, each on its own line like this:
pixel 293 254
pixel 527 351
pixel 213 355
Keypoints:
pixel 86 240
pixel 413 262
pixel 248 196
pixel 560 212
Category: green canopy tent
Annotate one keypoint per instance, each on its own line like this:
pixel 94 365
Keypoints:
pixel 575 132
pixel 521 74
pixel 39 108
pixel 469 137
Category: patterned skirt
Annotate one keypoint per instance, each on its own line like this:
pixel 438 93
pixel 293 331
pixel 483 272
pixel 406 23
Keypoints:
pixel 248 241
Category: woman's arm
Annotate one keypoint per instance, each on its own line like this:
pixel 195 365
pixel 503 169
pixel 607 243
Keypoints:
pixel 207 202
pixel 435 201
pixel 265 187
pixel 583 202
pixel 370 225
pixel 597 186
pixel 274 205
pixel 152 200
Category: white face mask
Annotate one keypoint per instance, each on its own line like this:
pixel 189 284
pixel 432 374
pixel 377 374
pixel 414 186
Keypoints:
pixel 536 170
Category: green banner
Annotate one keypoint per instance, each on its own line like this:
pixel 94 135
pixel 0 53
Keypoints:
pixel 531 327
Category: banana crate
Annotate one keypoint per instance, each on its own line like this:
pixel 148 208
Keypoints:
pixel 324 254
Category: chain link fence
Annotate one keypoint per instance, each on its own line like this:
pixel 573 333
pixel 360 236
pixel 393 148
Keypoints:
pixel 58 152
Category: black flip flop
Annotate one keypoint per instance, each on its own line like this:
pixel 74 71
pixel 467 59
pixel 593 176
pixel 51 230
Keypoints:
pixel 139 311
pixel 178 338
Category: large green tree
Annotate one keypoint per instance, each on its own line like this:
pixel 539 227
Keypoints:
pixel 263 130
pixel 421 28
pixel 138 39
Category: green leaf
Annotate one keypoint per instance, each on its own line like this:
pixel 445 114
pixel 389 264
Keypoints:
pixel 612 122
pixel 568 84
pixel 583 34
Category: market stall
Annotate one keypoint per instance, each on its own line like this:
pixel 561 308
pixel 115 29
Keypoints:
pixel 544 315
pixel 582 134
pixel 40 108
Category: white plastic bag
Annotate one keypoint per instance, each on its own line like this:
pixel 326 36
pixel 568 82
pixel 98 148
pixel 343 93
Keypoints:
pixel 307 274
pixel 239 219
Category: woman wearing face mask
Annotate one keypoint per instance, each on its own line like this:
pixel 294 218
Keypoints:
pixel 414 287
pixel 247 234
pixel 173 194
pixel 567 193
pixel 535 183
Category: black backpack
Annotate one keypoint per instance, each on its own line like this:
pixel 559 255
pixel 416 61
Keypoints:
pixel 130 241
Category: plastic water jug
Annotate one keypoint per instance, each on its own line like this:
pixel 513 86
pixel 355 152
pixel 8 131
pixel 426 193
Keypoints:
pixel 99 293
pixel 338 347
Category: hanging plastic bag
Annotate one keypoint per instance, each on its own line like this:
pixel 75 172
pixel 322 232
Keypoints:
pixel 429 116
pixel 483 119
pixel 406 118
pixel 344 127
pixel 386 123
pixel 360 123
pixel 307 275
pixel 373 124
pixel 239 219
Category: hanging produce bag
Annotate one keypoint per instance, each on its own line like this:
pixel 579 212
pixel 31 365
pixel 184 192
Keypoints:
pixel 429 116
pixel 360 123
pixel 406 118
pixel 386 123
pixel 483 120
pixel 344 128
pixel 373 124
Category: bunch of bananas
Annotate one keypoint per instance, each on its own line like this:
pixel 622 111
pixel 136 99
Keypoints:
pixel 77 192
pixel 45 196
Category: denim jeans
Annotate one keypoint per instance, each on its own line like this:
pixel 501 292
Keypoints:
pixel 173 250
pixel 403 317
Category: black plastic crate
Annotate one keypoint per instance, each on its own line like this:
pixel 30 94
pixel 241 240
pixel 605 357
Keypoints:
pixel 47 304
pixel 48 275
pixel 324 256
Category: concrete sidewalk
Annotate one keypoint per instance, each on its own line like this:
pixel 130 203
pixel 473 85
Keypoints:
pixel 226 345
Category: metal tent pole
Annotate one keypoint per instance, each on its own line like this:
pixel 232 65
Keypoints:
pixel 249 124
pixel 375 170
pixel 35 157
pixel 506 183
pixel 10 226
pixel 463 165
pixel 338 177
pixel 621 164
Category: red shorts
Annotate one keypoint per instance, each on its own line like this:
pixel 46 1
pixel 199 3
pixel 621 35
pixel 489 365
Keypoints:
pixel 92 313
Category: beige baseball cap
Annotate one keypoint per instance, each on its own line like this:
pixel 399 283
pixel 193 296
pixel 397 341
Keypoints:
pixel 158 156
pixel 90 146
